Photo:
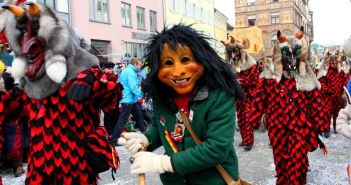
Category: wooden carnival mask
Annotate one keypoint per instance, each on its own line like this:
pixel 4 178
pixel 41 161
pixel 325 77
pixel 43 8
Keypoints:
pixel 290 51
pixel 236 55
pixel 233 50
pixel 179 68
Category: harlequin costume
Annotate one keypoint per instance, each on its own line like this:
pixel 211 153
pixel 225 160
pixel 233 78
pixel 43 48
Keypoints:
pixel 247 75
pixel 4 45
pixel 64 91
pixel 290 100
pixel 333 74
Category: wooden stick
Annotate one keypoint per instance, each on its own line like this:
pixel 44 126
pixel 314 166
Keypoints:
pixel 141 179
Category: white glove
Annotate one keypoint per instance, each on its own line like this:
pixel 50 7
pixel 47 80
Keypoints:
pixel 133 141
pixel 148 162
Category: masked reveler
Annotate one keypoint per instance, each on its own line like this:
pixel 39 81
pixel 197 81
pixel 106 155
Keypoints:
pixel 290 100
pixel 63 93
pixel 333 73
pixel 187 76
pixel 247 75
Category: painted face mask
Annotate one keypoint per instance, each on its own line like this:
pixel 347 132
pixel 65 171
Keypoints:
pixel 291 58
pixel 179 69
pixel 290 49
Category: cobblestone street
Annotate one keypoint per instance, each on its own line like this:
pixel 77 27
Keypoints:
pixel 256 165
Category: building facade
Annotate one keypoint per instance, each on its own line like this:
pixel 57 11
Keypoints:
pixel 220 32
pixel 117 29
pixel 273 15
pixel 197 12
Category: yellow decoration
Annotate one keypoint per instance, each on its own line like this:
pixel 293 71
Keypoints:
pixel 253 34
pixel 2 66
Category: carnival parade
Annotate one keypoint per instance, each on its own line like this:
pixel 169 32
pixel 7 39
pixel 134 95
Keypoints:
pixel 174 92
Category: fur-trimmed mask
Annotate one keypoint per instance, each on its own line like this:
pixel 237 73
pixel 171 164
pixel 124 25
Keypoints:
pixel 236 55
pixel 333 59
pixel 343 63
pixel 290 60
pixel 48 51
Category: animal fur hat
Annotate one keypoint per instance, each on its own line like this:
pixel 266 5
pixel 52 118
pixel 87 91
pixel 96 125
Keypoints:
pixel 63 52
pixel 305 78
pixel 246 60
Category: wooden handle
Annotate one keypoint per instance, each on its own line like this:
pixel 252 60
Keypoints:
pixel 141 179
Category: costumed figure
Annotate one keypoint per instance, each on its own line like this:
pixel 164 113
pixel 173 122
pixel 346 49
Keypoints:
pixel 12 128
pixel 290 100
pixel 63 93
pixel 187 81
pixel 247 75
pixel 333 74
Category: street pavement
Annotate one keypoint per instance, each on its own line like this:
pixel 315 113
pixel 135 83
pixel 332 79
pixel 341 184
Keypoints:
pixel 256 165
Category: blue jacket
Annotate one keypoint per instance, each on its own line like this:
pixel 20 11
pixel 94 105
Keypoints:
pixel 131 91
pixel 349 86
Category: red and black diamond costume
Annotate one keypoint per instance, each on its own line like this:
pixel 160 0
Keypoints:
pixel 333 75
pixel 64 91
pixel 58 125
pixel 247 75
pixel 248 80
pixel 293 112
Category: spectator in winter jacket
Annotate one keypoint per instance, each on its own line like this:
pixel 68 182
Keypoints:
pixel 349 86
pixel 131 93
pixel 343 122
pixel 343 127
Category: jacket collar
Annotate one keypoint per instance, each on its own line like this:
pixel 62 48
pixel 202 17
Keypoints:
pixel 200 94
pixel 133 68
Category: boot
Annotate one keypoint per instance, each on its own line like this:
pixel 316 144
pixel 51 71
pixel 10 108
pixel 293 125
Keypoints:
pixel 18 171
pixel 326 134
pixel 247 147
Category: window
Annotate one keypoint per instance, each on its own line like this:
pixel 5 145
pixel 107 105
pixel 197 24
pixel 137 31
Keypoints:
pixel 202 15
pixel 134 49
pixel 140 18
pixel 61 7
pixel 194 11
pixel 186 7
pixel 50 3
pixel 126 15
pixel 173 5
pixel 153 21
pixel 99 10
pixel 210 17
pixel 275 18
pixel 252 20
pixel 251 2
pixel 103 47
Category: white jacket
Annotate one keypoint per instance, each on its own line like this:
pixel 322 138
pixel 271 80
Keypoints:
pixel 343 122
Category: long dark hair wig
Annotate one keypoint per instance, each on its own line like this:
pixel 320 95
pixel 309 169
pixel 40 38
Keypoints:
pixel 217 75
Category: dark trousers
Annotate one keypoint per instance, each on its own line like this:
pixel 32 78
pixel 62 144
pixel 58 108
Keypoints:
pixel 128 108
pixel 110 120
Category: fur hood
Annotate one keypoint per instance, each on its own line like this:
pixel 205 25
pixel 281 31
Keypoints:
pixel 341 63
pixel 305 78
pixel 246 60
pixel 64 54
pixel 344 118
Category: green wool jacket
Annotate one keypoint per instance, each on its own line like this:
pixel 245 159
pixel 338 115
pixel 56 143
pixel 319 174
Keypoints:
pixel 214 123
